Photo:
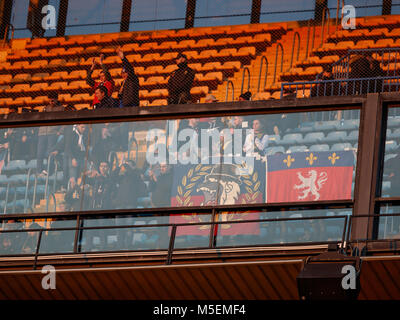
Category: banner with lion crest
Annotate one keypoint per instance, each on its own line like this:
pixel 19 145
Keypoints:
pixel 310 176
pixel 218 184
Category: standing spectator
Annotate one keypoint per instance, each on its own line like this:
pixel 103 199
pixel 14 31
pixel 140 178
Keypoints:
pixel 105 101
pixel 48 135
pixel 103 187
pixel 129 92
pixel 258 140
pixel 180 82
pixel 105 79
pixel 130 186
pixel 77 151
pixel 160 186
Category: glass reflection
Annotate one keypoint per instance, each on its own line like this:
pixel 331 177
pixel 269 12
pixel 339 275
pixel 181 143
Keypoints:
pixel 189 162
pixel 391 173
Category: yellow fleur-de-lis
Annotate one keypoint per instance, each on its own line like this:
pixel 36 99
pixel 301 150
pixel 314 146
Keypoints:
pixel 333 157
pixel 289 161
pixel 311 158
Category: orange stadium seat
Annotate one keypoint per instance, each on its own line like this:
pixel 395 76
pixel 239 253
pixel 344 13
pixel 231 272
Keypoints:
pixel 58 85
pixel 152 70
pixel 5 78
pixel 57 63
pixel 167 45
pixel 40 76
pixel 64 97
pixel 365 44
pixel 157 93
pixel 19 65
pixel 159 102
pixel 384 43
pixel 191 55
pixel 143 93
pixel 170 68
pixel 185 44
pixel 42 86
pixel 80 97
pixel 22 77
pixel 79 84
pixel 18 88
pixel 58 75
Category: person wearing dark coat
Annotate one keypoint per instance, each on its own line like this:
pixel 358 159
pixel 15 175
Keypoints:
pixel 105 101
pixel 130 186
pixel 129 92
pixel 160 186
pixel 180 82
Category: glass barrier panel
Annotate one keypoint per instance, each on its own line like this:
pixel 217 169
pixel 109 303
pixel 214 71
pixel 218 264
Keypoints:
pixel 57 241
pixel 391 169
pixel 389 223
pixel 188 236
pixel 309 156
pixel 281 232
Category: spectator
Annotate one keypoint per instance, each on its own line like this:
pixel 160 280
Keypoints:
pixel 129 92
pixel 392 168
pixel 103 187
pixel 160 186
pixel 105 79
pixel 48 135
pixel 245 96
pixel 31 239
pixel 105 101
pixel 258 141
pixel 5 244
pixel 130 186
pixel 326 88
pixel 77 149
pixel 180 82
pixel 375 71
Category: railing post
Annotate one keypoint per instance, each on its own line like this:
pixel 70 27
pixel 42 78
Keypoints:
pixel 276 59
pixel 227 90
pixel 326 10
pixel 245 70
pixel 296 35
pixel 37 249
pixel 263 58
pixel 171 245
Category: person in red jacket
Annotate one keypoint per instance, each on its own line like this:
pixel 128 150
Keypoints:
pixel 105 79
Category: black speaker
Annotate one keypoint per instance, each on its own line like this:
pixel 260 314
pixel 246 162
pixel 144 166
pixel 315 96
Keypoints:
pixel 330 276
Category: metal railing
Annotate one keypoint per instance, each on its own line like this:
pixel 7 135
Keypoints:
pixel 325 13
pixel 229 82
pixel 263 59
pixel 341 68
pixel 295 36
pixel 46 189
pixel 278 46
pixel 215 228
pixel 246 70
pixel 6 33
pixel 341 87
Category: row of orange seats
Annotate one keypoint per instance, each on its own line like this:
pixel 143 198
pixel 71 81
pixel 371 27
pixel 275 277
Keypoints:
pixel 260 41
pixel 211 79
pixel 123 37
pixel 80 98
pixel 244 54
pixel 227 68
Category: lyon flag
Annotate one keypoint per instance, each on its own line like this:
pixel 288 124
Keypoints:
pixel 310 176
